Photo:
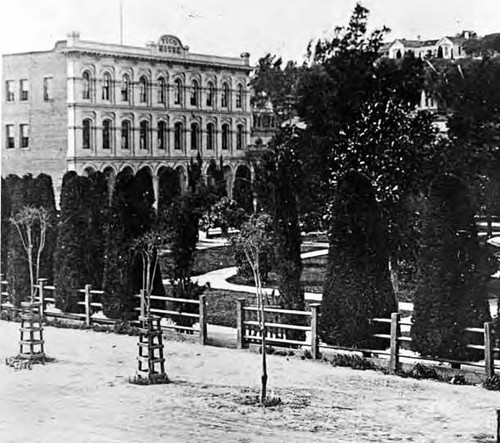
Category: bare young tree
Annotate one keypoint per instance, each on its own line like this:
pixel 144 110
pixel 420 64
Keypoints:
pixel 253 239
pixel 31 224
pixel 146 246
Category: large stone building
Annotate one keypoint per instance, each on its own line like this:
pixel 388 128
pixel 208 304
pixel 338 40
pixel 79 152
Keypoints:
pixel 87 106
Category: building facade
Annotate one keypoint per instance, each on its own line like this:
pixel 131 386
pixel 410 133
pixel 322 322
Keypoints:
pixel 89 106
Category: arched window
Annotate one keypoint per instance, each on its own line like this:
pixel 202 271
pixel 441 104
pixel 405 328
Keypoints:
pixel 106 87
pixel 178 92
pixel 225 96
pixel 195 92
pixel 125 135
pixel 178 136
pixel 239 137
pixel 239 97
pixel 106 134
pixel 210 136
pixel 125 88
pixel 195 136
pixel 161 90
pixel 144 134
pixel 86 137
pixel 210 94
pixel 143 89
pixel 86 85
pixel 225 136
pixel 162 135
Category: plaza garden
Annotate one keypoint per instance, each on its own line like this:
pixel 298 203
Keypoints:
pixel 361 242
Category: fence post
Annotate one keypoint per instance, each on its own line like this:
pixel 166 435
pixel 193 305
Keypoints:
pixel 41 296
pixel 498 425
pixel 488 350
pixel 87 305
pixel 314 330
pixel 394 357
pixel 203 320
pixel 143 303
pixel 240 323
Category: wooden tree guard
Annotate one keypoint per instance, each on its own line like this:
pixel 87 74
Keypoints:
pixel 150 361
pixel 31 342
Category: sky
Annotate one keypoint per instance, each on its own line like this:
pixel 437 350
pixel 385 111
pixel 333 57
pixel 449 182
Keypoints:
pixel 230 27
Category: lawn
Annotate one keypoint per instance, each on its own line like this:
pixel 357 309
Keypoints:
pixel 84 397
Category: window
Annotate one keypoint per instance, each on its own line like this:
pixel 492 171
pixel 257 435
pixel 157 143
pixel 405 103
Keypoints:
pixel 210 136
pixel 47 88
pixel 9 132
pixel 9 90
pixel 86 134
pixel 86 79
pixel 162 132
pixel 161 90
pixel 106 87
pixel 125 88
pixel 106 134
pixel 195 135
pixel 195 91
pixel 25 138
pixel 210 94
pixel 178 141
pixel 143 89
pixel 225 96
pixel 239 97
pixel 24 90
pixel 225 136
pixel 144 135
pixel 239 137
pixel 178 92
pixel 125 134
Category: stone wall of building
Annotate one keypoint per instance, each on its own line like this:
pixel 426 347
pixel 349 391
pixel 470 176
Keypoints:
pixel 44 112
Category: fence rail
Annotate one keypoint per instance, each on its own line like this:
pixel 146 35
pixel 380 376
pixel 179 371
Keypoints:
pixel 395 340
pixel 92 300
pixel 247 328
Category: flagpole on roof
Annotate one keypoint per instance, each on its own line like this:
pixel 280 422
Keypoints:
pixel 121 22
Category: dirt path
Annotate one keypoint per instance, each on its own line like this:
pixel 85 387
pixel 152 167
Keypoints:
pixel 84 397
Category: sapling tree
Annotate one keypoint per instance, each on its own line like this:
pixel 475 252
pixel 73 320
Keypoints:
pixel 254 237
pixel 146 247
pixel 31 225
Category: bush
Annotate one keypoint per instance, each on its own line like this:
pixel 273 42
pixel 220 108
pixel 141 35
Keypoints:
pixel 451 294
pixel 352 361
pixel 357 285
pixel 492 383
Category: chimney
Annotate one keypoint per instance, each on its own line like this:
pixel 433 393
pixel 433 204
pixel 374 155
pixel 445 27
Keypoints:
pixel 73 37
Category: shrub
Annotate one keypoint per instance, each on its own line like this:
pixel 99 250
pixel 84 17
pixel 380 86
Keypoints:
pixel 352 361
pixel 492 383
pixel 357 286
pixel 451 294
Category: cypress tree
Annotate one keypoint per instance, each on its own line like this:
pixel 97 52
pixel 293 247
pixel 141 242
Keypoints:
pixel 243 190
pixel 452 293
pixel 357 286
pixel 18 276
pixel 275 184
pixel 169 188
pixel 70 261
pixel 97 207
pixel 5 211
pixel 44 195
pixel 117 280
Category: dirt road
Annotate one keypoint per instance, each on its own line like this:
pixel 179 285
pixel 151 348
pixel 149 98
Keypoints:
pixel 84 396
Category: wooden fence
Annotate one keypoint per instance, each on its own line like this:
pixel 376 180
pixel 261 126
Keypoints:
pixel 91 299
pixel 247 326
pixel 395 338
